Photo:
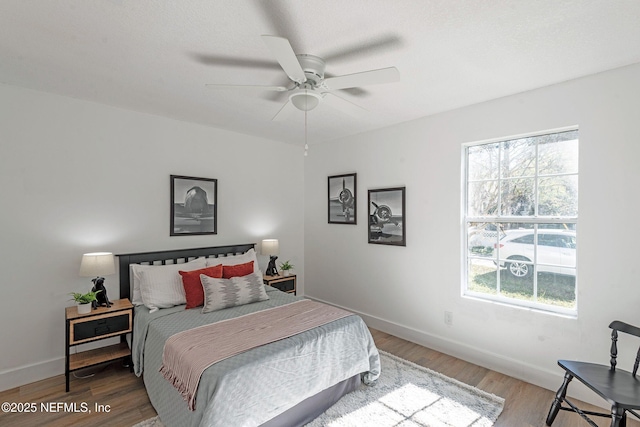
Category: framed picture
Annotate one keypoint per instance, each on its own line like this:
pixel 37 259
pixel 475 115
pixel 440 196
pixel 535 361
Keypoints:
pixel 342 206
pixel 387 215
pixel 194 206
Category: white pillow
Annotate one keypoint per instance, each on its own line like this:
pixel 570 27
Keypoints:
pixel 160 286
pixel 225 293
pixel 250 255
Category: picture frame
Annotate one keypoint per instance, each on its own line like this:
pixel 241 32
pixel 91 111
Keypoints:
pixel 387 216
pixel 342 206
pixel 194 206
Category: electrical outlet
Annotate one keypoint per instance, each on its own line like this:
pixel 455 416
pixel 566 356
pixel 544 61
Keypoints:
pixel 448 318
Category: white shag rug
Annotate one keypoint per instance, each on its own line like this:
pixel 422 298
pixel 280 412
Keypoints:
pixel 407 395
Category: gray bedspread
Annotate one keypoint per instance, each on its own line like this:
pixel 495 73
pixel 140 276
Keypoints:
pixel 255 386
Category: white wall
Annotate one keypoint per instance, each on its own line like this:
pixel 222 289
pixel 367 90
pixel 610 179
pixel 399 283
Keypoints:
pixel 405 290
pixel 78 177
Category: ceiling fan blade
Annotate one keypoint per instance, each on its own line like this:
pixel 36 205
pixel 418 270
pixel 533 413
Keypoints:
pixel 249 87
pixel 366 47
pixel 232 61
pixel 372 77
pixel 285 112
pixel 343 105
pixel 278 17
pixel 286 57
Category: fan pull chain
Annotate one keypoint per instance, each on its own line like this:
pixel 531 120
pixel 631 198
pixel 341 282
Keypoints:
pixel 306 146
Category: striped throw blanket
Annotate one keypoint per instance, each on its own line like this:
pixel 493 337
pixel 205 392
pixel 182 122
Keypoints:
pixel 187 354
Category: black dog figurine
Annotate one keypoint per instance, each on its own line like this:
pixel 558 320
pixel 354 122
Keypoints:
pixel 271 267
pixel 101 297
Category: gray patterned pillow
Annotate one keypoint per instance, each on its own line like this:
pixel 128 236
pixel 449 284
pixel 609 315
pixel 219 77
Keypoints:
pixel 225 293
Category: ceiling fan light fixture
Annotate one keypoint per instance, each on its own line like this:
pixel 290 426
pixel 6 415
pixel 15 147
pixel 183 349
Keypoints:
pixel 305 100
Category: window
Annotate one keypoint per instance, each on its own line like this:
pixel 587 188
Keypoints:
pixel 520 221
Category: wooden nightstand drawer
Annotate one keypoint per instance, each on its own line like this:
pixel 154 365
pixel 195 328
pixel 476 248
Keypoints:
pixel 99 327
pixel 283 283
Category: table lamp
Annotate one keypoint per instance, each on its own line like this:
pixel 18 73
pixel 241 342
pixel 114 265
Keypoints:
pixel 271 247
pixel 98 264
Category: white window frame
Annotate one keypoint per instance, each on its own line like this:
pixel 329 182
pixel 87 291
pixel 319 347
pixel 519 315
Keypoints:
pixel 499 218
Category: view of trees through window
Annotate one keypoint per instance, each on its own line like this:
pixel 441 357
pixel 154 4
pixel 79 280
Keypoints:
pixel 521 213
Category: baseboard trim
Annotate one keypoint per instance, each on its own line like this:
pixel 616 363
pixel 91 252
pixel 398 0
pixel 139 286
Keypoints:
pixel 496 362
pixel 11 378
pixel 22 375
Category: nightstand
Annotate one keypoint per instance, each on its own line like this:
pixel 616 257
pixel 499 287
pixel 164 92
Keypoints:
pixel 283 283
pixel 101 323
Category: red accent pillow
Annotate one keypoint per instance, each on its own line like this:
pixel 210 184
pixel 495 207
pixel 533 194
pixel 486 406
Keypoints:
pixel 193 286
pixel 238 270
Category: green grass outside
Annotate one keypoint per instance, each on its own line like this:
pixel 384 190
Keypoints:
pixel 553 289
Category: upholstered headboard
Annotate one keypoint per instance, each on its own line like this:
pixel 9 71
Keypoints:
pixel 171 257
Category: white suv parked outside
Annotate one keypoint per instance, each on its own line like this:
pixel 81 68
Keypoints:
pixel 556 252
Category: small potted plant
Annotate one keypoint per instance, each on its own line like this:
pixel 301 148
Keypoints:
pixel 84 301
pixel 286 268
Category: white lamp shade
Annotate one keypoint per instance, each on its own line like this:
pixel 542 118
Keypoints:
pixel 270 247
pixel 304 100
pixel 97 264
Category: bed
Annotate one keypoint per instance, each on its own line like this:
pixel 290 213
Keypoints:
pixel 288 382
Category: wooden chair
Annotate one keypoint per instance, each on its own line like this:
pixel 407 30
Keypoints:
pixel 620 388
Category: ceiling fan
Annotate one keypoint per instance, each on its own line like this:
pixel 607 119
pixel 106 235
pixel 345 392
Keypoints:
pixel 309 86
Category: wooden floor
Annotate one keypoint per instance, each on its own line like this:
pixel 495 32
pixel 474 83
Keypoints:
pixel 124 401
pixel 525 405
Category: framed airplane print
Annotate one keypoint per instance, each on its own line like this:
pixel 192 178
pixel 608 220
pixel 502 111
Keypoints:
pixel 342 206
pixel 193 206
pixel 387 216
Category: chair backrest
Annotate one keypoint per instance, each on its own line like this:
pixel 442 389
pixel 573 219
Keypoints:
pixel 618 326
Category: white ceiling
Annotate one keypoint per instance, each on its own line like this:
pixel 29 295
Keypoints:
pixel 156 56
